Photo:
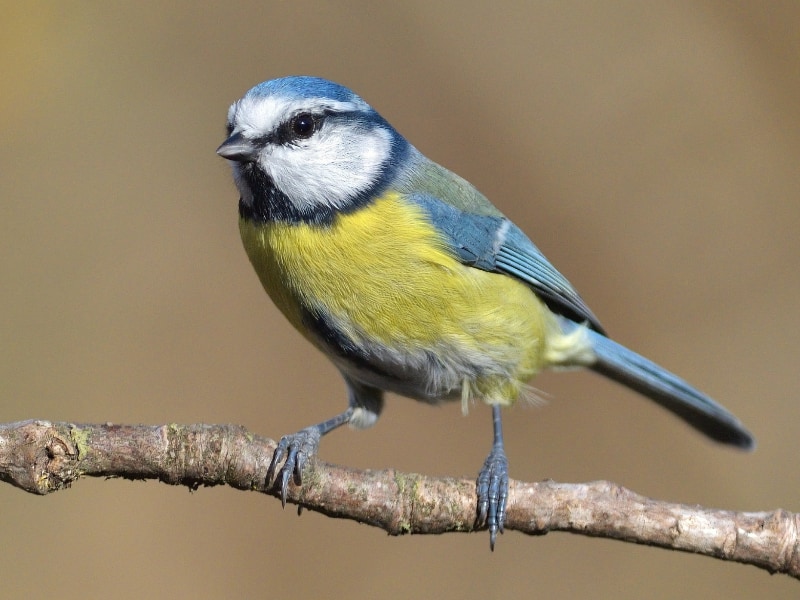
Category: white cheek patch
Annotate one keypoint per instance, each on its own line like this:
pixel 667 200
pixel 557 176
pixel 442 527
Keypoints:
pixel 332 167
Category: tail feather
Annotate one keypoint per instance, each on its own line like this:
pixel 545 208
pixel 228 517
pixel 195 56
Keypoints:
pixel 670 391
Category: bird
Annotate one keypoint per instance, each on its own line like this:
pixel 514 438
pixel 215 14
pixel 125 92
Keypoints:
pixel 410 280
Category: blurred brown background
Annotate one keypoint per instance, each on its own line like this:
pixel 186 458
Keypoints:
pixel 651 151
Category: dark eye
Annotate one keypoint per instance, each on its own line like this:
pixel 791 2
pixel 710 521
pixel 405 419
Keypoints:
pixel 304 125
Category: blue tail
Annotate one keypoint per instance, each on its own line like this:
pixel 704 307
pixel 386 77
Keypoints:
pixel 670 391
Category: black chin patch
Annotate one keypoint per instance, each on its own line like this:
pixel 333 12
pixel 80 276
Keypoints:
pixel 271 204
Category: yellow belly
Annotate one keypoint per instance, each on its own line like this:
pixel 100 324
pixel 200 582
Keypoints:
pixel 389 282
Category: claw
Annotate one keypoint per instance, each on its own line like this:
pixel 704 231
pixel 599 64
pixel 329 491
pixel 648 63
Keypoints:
pixel 294 451
pixel 296 448
pixel 492 488
pixel 492 485
pixel 277 457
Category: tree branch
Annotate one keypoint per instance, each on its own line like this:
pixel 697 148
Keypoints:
pixel 42 457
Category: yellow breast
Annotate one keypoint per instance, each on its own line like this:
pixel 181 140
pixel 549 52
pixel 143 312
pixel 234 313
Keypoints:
pixel 386 277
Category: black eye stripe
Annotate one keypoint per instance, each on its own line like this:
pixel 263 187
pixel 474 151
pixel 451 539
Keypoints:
pixel 285 133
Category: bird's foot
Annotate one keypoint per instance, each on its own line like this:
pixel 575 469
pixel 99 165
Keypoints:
pixel 296 449
pixel 492 488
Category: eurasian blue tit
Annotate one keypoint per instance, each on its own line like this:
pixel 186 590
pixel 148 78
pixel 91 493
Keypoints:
pixel 409 279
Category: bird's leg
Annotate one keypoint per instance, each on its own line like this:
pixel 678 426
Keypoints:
pixel 492 484
pixel 297 448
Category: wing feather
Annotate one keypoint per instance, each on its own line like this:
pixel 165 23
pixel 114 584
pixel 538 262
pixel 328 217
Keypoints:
pixel 493 243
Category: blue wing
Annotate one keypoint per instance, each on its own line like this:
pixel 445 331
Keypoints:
pixel 493 243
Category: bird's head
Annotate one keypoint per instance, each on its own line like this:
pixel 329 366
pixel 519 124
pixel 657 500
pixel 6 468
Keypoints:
pixel 304 148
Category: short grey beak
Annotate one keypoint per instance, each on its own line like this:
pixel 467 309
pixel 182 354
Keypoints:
pixel 237 148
